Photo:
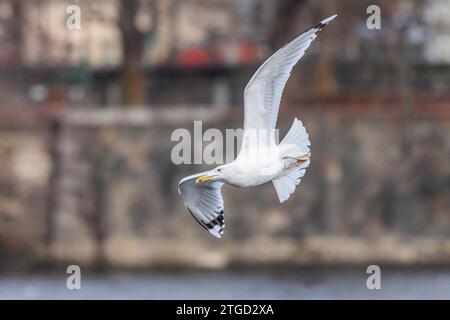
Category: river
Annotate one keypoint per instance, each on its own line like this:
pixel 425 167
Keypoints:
pixel 303 283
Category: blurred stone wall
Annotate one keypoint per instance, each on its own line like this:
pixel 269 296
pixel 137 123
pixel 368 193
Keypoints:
pixel 377 190
pixel 24 173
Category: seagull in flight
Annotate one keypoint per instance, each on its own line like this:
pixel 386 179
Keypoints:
pixel 260 159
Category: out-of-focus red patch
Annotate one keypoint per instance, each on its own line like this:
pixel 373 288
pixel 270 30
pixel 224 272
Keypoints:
pixel 193 58
pixel 247 53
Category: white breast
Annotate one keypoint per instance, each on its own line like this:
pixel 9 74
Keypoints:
pixel 256 166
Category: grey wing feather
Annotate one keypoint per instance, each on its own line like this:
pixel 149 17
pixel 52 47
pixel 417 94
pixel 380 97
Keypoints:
pixel 262 94
pixel 205 203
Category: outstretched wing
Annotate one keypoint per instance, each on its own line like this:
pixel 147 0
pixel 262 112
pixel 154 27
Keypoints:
pixel 262 94
pixel 204 202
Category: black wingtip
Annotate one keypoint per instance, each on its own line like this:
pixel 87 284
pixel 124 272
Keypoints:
pixel 324 22
pixel 219 221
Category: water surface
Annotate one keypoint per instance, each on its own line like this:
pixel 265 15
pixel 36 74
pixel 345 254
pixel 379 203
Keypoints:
pixel 310 283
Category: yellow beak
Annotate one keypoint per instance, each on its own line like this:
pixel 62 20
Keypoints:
pixel 204 179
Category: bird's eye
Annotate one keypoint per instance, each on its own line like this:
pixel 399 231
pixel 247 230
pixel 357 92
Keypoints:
pixel 219 170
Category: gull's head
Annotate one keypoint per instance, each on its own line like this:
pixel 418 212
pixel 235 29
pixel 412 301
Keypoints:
pixel 220 173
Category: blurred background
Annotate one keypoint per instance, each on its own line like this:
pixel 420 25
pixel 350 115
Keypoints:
pixel 86 117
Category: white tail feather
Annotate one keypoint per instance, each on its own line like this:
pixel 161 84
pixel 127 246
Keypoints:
pixel 294 145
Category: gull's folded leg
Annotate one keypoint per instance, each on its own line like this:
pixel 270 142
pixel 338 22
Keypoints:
pixel 299 160
pixel 303 159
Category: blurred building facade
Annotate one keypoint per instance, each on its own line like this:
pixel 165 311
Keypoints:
pixel 214 39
